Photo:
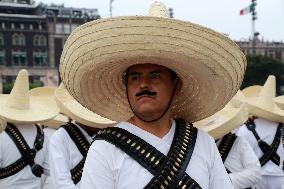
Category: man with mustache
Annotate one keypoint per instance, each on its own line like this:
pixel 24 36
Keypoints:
pixel 152 74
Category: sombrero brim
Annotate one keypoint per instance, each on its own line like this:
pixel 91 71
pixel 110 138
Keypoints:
pixel 279 101
pixel 224 121
pixel 274 114
pixel 40 110
pixel 56 122
pixel 96 55
pixel 46 91
pixel 71 108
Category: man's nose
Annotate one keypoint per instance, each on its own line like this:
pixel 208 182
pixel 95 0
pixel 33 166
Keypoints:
pixel 145 83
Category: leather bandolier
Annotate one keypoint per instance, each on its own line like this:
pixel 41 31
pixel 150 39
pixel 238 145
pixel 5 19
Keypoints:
pixel 28 155
pixel 269 151
pixel 168 171
pixel 225 147
pixel 83 146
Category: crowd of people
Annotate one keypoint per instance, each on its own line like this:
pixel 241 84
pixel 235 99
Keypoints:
pixel 145 102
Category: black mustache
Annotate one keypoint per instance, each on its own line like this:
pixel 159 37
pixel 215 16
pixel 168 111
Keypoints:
pixel 146 92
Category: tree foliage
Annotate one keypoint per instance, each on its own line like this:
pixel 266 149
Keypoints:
pixel 259 68
pixel 7 87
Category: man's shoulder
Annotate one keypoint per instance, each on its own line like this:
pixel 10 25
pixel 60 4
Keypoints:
pixel 59 135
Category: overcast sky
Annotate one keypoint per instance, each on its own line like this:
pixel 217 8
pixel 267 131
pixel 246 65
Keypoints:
pixel 220 15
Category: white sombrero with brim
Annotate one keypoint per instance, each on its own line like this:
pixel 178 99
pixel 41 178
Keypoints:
pixel 224 121
pixel 72 109
pixel 97 54
pixel 263 106
pixel 48 92
pixel 279 101
pixel 252 91
pixel 20 107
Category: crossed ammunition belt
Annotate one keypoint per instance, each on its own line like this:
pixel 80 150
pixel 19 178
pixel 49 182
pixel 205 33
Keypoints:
pixel 168 171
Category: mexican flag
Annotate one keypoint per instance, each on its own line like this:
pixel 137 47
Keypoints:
pixel 248 9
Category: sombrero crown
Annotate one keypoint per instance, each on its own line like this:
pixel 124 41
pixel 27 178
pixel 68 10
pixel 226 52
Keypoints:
pixel 96 55
pixel 20 107
pixel 263 106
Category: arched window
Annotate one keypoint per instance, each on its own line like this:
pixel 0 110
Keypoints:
pixel 39 40
pixel 15 39
pixel 22 39
pixel 36 40
pixel 43 40
pixel 18 39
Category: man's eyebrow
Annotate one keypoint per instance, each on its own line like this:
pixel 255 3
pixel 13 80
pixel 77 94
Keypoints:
pixel 156 71
pixel 133 73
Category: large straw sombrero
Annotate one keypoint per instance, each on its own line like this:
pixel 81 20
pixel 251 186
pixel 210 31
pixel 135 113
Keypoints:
pixel 264 106
pixel 48 92
pixel 71 108
pixel 20 107
pixel 97 54
pixel 3 125
pixel 224 121
pixel 252 91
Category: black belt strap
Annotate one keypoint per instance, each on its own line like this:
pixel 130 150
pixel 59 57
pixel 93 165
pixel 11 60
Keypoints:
pixel 269 151
pixel 83 146
pixel 226 145
pixel 28 155
pixel 168 171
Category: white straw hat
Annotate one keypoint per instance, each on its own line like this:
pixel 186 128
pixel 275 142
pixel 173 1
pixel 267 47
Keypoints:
pixel 20 107
pixel 279 101
pixel 97 54
pixel 48 92
pixel 252 91
pixel 71 108
pixel 224 121
pixel 3 125
pixel 264 106
pixel 56 122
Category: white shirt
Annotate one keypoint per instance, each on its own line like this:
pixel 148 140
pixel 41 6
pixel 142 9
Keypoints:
pixel 243 164
pixel 47 182
pixel 64 156
pixel 266 131
pixel 108 167
pixel 9 153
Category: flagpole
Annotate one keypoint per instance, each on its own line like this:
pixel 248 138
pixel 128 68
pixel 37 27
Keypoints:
pixel 110 8
pixel 253 18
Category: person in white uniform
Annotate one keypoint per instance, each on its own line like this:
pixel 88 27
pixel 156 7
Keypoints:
pixel 70 143
pixel 154 75
pixel 49 127
pixel 263 132
pixel 237 155
pixel 23 146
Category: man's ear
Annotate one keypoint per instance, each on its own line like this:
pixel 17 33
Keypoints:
pixel 178 84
